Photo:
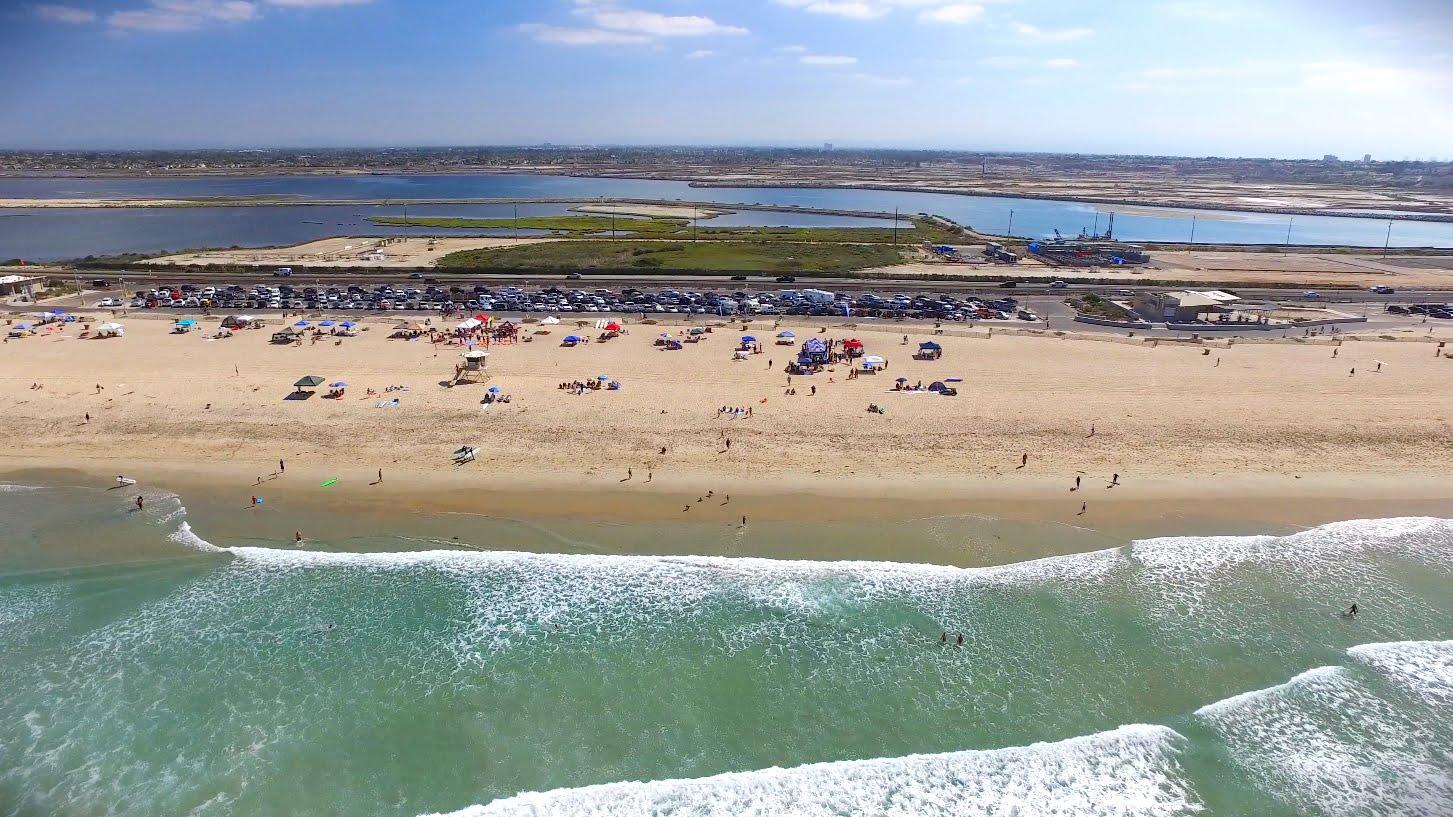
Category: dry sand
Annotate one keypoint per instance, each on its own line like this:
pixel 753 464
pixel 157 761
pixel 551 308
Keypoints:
pixel 377 252
pixel 651 210
pixel 1271 420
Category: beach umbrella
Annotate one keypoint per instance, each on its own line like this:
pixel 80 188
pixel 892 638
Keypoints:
pixel 493 389
pixel 602 377
pixel 748 339
pixel 612 327
pixel 188 322
pixel 953 380
pixel 482 318
pixel 325 323
pixel 348 324
pixel 901 380
pixel 339 385
pixel 312 381
pixel 22 326
pixel 573 338
pixel 786 335
pixel 302 323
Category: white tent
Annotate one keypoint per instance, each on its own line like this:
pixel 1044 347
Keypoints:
pixel 107 330
pixel 471 323
pixel 550 321
pixel 874 362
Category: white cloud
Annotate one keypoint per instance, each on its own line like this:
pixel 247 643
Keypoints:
pixel 701 54
pixel 881 81
pixel 613 24
pixel 64 14
pixel 1050 35
pixel 827 59
pixel 651 24
pixel 851 9
pixel 182 15
pixel 562 35
pixel 1062 62
pixel 953 13
pixel 793 49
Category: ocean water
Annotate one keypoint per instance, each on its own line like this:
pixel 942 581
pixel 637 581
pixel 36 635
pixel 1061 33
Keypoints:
pixel 47 234
pixel 150 668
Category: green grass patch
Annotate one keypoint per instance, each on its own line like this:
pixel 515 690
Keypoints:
pixel 916 232
pixel 734 256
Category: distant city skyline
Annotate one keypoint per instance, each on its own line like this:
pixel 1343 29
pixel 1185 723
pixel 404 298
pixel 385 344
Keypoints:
pixel 1182 77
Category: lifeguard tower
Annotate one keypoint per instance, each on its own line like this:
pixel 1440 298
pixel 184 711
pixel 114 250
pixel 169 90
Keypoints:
pixel 474 369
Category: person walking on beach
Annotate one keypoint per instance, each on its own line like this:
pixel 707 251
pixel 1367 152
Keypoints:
pixel 140 502
pixel 1114 480
pixel 282 467
pixel 1024 459
pixel 1077 484
pixel 380 475
pixel 88 416
pixel 1083 507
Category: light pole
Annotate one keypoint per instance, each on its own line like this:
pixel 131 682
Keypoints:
pixel 1290 220
pixel 1010 231
pixel 1386 242
pixel 1193 230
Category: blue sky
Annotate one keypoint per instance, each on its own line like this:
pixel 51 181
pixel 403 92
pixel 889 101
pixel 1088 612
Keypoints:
pixel 1199 77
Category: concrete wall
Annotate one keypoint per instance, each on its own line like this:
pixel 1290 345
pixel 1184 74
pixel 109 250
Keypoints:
pixel 1091 319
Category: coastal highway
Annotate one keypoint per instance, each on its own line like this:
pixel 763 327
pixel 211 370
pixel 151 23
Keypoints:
pixel 136 279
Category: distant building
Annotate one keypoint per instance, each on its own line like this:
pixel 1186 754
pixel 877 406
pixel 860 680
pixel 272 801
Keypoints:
pixel 1367 158
pixel 27 285
pixel 827 147
pixel 1329 158
pixel 1183 305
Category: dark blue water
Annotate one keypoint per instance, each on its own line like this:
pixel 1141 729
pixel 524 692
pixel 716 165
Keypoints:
pixel 42 234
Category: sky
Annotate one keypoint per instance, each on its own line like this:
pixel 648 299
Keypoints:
pixel 1282 78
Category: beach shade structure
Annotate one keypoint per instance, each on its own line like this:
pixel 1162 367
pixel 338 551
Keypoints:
pixel 573 339
pixel 748 339
pixel 187 322
pixel 338 385
pixel 348 324
pixel 852 343
pixel 22 326
pixel 482 318
pixel 696 330
pixel 301 324
pixel 470 323
pixel 929 346
pixel 549 321
pixel 788 335
pixel 901 380
pixel 493 389
pixel 874 362
pixel 312 381
pixel 602 377
pixel 107 330
pixel 674 345
pixel 953 380
pixel 326 323
pixel 937 386
pixel 612 327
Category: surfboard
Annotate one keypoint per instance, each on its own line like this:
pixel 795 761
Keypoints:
pixel 329 483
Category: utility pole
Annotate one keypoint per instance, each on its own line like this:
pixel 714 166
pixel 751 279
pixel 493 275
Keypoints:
pixel 1387 241
pixel 517 220
pixel 895 228
pixel 1010 231
pixel 1193 230
pixel 695 217
pixel 1290 219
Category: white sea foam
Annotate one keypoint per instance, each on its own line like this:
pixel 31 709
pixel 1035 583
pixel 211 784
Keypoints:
pixel 184 535
pixel 1423 667
pixel 12 488
pixel 1129 771
pixel 1326 744
pixel 1428 537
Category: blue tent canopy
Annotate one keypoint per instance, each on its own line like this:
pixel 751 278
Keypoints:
pixel 573 338
pixel 301 323
pixel 325 323
pixel 748 339
pixel 187 322
pixel 930 345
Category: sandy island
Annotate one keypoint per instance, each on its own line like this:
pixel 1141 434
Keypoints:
pixel 356 251
pixel 1179 422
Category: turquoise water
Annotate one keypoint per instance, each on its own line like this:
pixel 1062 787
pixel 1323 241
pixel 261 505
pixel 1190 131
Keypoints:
pixel 45 234
pixel 149 671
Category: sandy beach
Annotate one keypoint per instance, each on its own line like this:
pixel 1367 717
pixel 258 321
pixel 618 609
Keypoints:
pixel 1178 422
pixel 349 251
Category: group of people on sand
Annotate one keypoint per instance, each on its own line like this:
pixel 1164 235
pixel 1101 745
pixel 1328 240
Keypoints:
pixel 737 411
pixel 583 386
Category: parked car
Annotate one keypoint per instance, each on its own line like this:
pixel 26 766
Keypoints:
pixel 1382 289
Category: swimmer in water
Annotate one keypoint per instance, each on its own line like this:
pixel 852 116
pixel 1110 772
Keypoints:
pixel 139 503
pixel 297 536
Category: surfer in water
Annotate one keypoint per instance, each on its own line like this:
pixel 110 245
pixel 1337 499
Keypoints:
pixel 1351 611
pixel 140 502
